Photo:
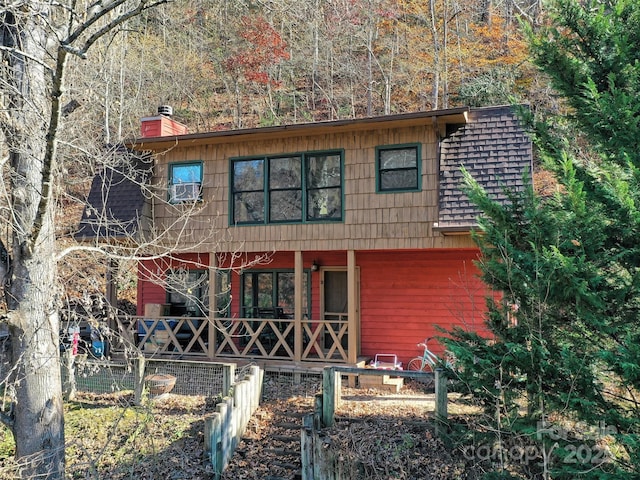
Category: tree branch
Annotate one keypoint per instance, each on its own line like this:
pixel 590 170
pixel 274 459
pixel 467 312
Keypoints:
pixel 82 50
pixel 50 149
pixel 16 51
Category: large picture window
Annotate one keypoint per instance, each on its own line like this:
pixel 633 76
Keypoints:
pixel 287 189
pixel 398 168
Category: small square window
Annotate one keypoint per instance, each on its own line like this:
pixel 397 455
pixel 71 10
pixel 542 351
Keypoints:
pixel 185 182
pixel 398 168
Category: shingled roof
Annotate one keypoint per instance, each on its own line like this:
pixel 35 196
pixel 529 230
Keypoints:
pixel 495 149
pixel 116 205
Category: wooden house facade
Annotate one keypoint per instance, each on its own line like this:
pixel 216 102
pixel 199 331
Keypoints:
pixel 322 242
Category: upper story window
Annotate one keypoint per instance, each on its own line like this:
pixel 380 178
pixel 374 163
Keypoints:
pixel 185 182
pixel 398 168
pixel 296 188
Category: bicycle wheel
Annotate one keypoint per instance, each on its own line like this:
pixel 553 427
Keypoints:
pixel 415 365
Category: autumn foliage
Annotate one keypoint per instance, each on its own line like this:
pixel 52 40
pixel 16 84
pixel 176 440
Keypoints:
pixel 262 49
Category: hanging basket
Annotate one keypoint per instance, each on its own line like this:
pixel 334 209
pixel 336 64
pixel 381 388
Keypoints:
pixel 160 383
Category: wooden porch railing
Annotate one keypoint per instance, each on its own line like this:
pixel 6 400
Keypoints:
pixel 241 338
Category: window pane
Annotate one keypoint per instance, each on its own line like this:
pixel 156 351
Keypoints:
pixel 398 158
pixel 285 173
pixel 398 179
pixel 188 292
pixel 285 205
pixel 265 290
pixel 324 204
pixel 248 207
pixel 223 293
pixel 323 171
pixel 248 175
pixel 286 292
pixel 187 173
pixel 247 296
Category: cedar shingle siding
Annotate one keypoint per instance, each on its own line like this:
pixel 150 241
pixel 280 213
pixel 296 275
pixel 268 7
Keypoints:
pixel 494 149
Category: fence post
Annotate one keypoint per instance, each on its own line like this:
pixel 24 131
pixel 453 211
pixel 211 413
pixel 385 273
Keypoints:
pixel 256 374
pixel 212 442
pixel 139 367
pixel 225 432
pixel 228 377
pixel 307 434
pixel 441 401
pixel 330 395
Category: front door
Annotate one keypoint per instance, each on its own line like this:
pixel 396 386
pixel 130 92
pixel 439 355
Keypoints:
pixel 335 298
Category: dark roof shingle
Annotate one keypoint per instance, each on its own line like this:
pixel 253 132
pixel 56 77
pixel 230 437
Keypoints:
pixel 116 203
pixel 496 151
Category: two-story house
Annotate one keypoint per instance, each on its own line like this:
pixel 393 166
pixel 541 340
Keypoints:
pixel 320 242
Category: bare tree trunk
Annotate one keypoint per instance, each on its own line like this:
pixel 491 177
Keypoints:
pixel 33 52
pixel 436 57
pixel 37 422
pixel 35 348
pixel 370 81
pixel 445 53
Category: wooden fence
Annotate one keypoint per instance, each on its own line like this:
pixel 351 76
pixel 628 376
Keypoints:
pixel 332 384
pixel 224 428
pixel 321 461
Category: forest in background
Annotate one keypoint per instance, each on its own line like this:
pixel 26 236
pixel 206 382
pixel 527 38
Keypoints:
pixel 232 64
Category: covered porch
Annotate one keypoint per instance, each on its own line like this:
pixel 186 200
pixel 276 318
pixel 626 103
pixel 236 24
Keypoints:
pixel 259 330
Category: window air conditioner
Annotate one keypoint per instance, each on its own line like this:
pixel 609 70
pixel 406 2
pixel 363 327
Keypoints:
pixel 185 192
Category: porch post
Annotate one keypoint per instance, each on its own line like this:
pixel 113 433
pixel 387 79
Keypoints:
pixel 352 310
pixel 111 293
pixel 297 327
pixel 111 287
pixel 213 304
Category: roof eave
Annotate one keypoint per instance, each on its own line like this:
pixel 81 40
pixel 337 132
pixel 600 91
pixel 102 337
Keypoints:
pixel 438 117
pixel 454 229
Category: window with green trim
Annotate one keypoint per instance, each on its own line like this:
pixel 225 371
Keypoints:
pixel 296 188
pixel 271 294
pixel 398 168
pixel 185 182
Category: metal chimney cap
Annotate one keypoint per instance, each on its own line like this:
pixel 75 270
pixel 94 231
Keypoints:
pixel 165 110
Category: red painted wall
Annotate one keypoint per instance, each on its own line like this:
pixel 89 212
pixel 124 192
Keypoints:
pixel 405 295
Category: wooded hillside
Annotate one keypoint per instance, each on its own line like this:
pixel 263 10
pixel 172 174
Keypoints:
pixel 224 64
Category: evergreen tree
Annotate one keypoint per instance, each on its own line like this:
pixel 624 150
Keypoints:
pixel 565 324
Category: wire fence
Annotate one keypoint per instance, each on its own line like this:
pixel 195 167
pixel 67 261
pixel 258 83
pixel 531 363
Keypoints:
pixel 192 378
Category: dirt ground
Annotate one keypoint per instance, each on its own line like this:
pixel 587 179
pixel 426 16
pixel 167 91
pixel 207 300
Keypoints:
pixel 390 435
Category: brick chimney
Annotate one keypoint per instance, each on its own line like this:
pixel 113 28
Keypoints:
pixel 161 125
